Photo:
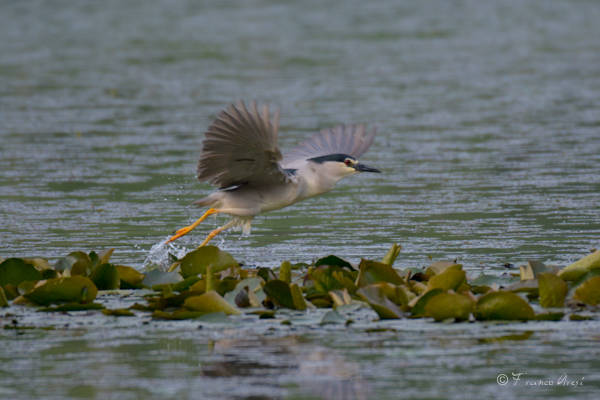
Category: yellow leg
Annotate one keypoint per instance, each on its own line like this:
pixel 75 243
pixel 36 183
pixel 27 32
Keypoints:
pixel 216 232
pixel 188 229
pixel 208 238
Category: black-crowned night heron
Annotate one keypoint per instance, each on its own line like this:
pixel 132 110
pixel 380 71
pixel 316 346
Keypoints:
pixel 240 156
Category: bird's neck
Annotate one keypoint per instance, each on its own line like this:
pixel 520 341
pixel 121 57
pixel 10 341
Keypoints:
pixel 314 183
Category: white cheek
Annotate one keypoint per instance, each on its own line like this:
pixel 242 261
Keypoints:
pixel 350 171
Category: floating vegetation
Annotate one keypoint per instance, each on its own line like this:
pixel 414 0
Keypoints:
pixel 210 284
pixel 503 306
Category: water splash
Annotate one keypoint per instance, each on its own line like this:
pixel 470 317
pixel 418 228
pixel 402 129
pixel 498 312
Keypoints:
pixel 162 255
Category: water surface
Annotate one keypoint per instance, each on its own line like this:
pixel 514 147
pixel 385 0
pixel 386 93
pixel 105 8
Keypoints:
pixel 489 143
pixel 488 124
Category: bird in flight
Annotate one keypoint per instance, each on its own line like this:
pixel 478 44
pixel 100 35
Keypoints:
pixel 241 158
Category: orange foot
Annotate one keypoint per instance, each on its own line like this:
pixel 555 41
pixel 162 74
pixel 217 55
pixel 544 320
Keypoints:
pixel 185 230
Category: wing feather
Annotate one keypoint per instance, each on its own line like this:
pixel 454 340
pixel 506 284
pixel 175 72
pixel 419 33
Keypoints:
pixel 240 146
pixel 353 140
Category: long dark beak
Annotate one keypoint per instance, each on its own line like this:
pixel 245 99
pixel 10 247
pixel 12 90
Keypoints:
pixel 365 168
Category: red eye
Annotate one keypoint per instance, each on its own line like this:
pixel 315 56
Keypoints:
pixel 348 162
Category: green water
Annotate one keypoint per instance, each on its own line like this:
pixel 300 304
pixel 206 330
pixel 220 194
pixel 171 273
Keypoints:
pixel 489 141
pixel 86 356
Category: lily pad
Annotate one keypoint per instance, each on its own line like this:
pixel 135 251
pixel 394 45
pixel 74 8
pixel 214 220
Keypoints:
pixel 589 291
pixel 11 291
pixel 104 256
pixel 418 288
pixel 263 314
pixel 331 277
pixel 334 260
pixel 374 295
pixel 3 299
pixel 480 289
pixel 40 263
pixel 392 254
pixel 255 293
pixel 130 277
pixel 297 297
pixel 333 317
pixel 118 312
pixel 372 272
pixel 451 278
pixel 529 286
pixel 398 294
pixel 15 270
pixel 517 336
pixel 26 286
pixel 266 274
pixel 418 309
pixel 340 297
pixel 156 277
pixel 449 305
pixel 214 318
pixel 526 273
pixel 49 274
pixel 226 285
pixel 593 272
pixel 280 293
pixel 552 289
pixel 195 262
pixel 404 296
pixel 80 263
pixel 440 266
pixel 210 302
pixel 320 300
pixel 580 267
pixel 504 306
pixel 105 277
pixel 211 278
pixel 285 272
pixel 578 317
pixel 534 268
pixel 484 280
pixel 199 286
pixel 168 299
pixel 549 316
pixel 63 290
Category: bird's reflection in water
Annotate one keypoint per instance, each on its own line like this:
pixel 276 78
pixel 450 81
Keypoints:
pixel 302 367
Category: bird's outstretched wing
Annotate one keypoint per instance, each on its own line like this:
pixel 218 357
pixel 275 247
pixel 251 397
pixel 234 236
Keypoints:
pixel 240 147
pixel 352 140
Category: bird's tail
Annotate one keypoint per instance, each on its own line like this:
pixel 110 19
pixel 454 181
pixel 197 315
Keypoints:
pixel 212 200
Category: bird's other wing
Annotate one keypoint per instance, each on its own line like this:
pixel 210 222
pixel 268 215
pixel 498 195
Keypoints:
pixel 352 140
pixel 240 147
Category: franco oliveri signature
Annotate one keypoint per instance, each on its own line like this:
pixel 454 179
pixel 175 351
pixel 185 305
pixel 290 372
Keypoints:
pixel 521 378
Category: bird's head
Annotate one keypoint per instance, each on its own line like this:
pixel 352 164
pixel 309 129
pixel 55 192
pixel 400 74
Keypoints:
pixel 338 166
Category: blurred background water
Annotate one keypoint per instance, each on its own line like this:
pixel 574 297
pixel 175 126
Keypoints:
pixel 489 141
pixel 488 118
